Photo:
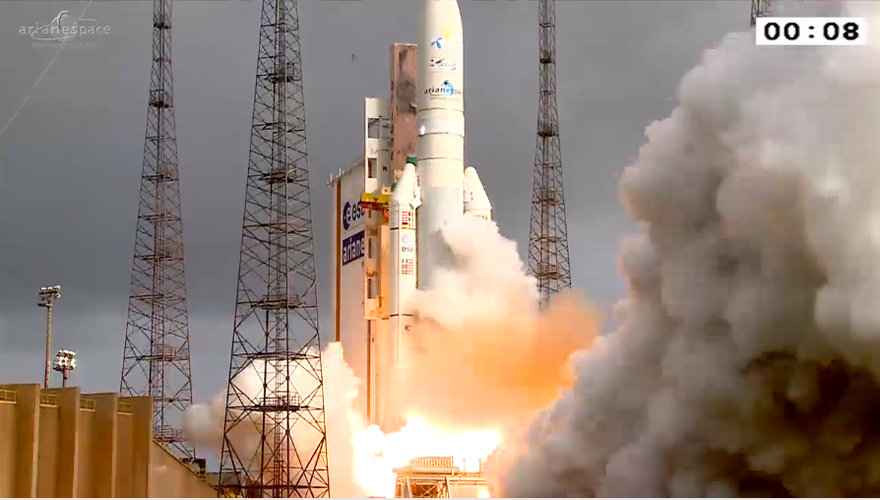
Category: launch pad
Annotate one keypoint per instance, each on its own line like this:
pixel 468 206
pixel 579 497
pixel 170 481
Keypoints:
pixel 437 477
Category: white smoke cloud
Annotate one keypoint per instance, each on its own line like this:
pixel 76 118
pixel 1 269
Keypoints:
pixel 507 360
pixel 748 358
pixel 482 355
pixel 486 281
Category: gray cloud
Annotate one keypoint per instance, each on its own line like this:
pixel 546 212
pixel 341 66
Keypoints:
pixel 70 164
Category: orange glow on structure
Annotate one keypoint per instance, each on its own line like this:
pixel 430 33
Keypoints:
pixel 377 454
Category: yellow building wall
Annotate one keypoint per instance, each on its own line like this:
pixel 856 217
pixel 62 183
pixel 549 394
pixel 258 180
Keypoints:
pixel 171 479
pixel 18 476
pixel 85 474
pixel 47 458
pixel 124 457
pixel 60 443
pixel 8 446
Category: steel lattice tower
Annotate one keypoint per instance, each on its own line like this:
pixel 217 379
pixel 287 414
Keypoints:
pixel 156 356
pixel 548 234
pixel 760 8
pixel 275 394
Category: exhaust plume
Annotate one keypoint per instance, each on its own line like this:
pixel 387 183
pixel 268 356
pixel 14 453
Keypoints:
pixel 482 355
pixel 748 355
pixel 477 367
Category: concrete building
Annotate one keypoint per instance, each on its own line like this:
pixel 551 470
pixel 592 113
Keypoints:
pixel 61 443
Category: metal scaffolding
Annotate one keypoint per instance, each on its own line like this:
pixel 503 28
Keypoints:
pixel 156 356
pixel 548 232
pixel 275 388
pixel 760 8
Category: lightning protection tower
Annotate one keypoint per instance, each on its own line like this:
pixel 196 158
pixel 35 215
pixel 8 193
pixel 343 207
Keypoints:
pixel 760 8
pixel 548 233
pixel 274 436
pixel 156 355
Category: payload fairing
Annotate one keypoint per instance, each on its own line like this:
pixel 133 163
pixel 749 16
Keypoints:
pixel 412 183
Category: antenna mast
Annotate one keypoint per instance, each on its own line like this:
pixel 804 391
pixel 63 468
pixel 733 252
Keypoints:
pixel 275 391
pixel 760 8
pixel 548 233
pixel 156 355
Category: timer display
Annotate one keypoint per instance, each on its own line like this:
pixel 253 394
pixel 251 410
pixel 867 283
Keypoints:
pixel 811 31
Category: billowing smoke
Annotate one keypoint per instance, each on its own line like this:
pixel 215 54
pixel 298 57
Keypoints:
pixel 748 355
pixel 476 367
pixel 482 355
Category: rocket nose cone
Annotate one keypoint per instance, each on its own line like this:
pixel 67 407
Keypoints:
pixel 435 6
pixel 442 19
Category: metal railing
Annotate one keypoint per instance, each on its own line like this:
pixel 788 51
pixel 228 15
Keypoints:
pixel 8 396
pixel 48 399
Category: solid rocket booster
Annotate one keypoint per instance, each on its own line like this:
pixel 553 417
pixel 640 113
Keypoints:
pixel 476 202
pixel 440 120
pixel 402 234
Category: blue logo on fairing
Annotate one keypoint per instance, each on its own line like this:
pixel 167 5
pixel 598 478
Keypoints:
pixel 444 90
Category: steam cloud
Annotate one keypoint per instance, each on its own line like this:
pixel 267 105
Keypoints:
pixel 748 358
pixel 476 367
pixel 482 355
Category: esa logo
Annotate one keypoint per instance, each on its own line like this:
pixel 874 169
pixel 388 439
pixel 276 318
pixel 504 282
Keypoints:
pixel 407 243
pixel 351 214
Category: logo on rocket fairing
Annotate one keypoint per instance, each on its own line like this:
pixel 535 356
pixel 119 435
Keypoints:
pixel 443 40
pixel 407 243
pixel 441 64
pixel 443 91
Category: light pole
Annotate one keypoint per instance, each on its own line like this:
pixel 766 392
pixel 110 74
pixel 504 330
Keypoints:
pixel 65 362
pixel 48 294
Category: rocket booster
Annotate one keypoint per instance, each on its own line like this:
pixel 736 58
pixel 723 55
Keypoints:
pixel 440 122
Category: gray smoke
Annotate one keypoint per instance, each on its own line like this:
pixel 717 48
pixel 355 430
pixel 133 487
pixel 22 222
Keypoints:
pixel 748 358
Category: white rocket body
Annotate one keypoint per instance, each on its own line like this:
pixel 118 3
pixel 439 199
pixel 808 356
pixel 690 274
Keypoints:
pixel 402 230
pixel 476 202
pixel 440 121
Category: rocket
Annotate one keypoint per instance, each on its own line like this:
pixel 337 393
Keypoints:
pixel 435 189
pixel 406 204
pixel 445 189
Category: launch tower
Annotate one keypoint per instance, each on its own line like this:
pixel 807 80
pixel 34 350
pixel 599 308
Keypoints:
pixel 760 8
pixel 275 387
pixel 548 232
pixel 156 355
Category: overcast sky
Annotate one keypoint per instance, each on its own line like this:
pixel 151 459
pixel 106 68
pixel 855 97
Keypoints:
pixel 70 162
